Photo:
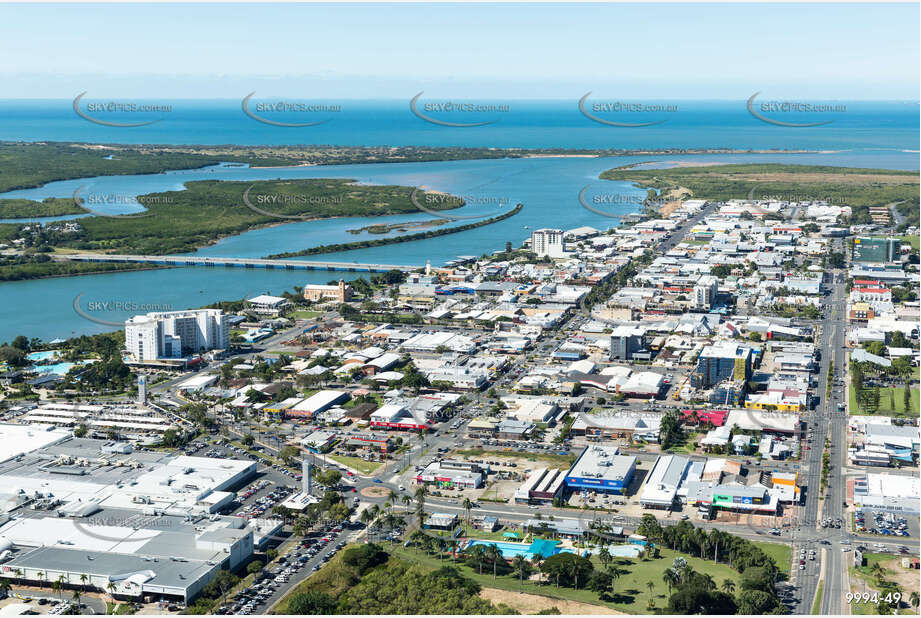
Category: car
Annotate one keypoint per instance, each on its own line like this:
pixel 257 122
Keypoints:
pixel 378 481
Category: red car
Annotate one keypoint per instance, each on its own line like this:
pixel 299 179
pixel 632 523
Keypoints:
pixel 354 490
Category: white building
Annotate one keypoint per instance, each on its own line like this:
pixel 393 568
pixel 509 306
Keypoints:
pixel 173 334
pixel 705 291
pixel 548 242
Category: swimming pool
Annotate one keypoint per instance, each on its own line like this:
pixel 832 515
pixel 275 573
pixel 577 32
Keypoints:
pixel 37 357
pixel 540 547
pixel 59 369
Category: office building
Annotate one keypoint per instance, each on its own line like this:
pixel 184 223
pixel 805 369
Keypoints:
pixel 868 249
pixel 626 342
pixel 721 361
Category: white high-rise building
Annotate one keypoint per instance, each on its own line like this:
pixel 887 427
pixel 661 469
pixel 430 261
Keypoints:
pixel 548 242
pixel 174 334
pixel 705 291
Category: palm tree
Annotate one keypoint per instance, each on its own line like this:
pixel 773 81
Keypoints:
pixel 468 506
pixel 479 556
pixel 84 578
pixel 5 585
pixel 651 588
pixel 615 573
pixel 41 577
pixel 110 587
pixel 406 500
pixel 520 565
pixel 914 599
pixel 708 581
pixel 877 570
pixel 605 557
pixel 494 555
pixel 728 586
pixel 670 577
pixel 76 597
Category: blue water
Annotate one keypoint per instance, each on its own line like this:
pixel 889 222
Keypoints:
pixel 59 369
pixel 42 356
pixel 510 550
pixel 526 124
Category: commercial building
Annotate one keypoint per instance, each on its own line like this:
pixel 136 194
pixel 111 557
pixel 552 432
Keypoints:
pixel 721 361
pixel 661 487
pixel 867 249
pixel 542 486
pixel 447 475
pixel 339 293
pixel 397 416
pixel 315 404
pixel 267 305
pixel 627 342
pixel 135 557
pixel 601 469
pixel 174 334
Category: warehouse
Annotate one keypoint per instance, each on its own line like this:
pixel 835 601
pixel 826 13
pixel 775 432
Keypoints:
pixel 151 558
pixel 315 404
pixel 601 469
pixel 397 416
pixel 541 487
pixel 661 487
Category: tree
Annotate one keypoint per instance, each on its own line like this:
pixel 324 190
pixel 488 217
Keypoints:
pixel 248 440
pixel 288 453
pixel 494 556
pixel 521 567
pixel 254 567
pixel 605 557
pixel 468 506
pixel 757 602
pixel 311 603
pixel 670 577
pixel 914 599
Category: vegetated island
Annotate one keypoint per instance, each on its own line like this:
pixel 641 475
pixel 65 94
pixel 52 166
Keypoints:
pixel 858 188
pixel 379 242
pixel 405 226
pixel 48 207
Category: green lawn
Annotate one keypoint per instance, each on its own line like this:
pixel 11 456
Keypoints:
pixel 884 407
pixel 914 241
pixel 631 587
pixel 781 553
pixel 365 467
pixel 304 314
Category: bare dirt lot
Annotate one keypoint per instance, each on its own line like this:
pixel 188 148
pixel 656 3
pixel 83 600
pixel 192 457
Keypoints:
pixel 532 603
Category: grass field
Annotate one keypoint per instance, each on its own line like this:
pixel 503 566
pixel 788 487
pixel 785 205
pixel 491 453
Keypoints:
pixel 305 314
pixel 632 594
pixel 558 461
pixel 884 405
pixel 914 241
pixel 365 467
pixel 782 554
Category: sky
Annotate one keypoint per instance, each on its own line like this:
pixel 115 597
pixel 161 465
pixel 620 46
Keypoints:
pixel 489 51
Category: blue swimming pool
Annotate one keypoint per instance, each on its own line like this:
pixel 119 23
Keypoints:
pixel 540 547
pixel 37 357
